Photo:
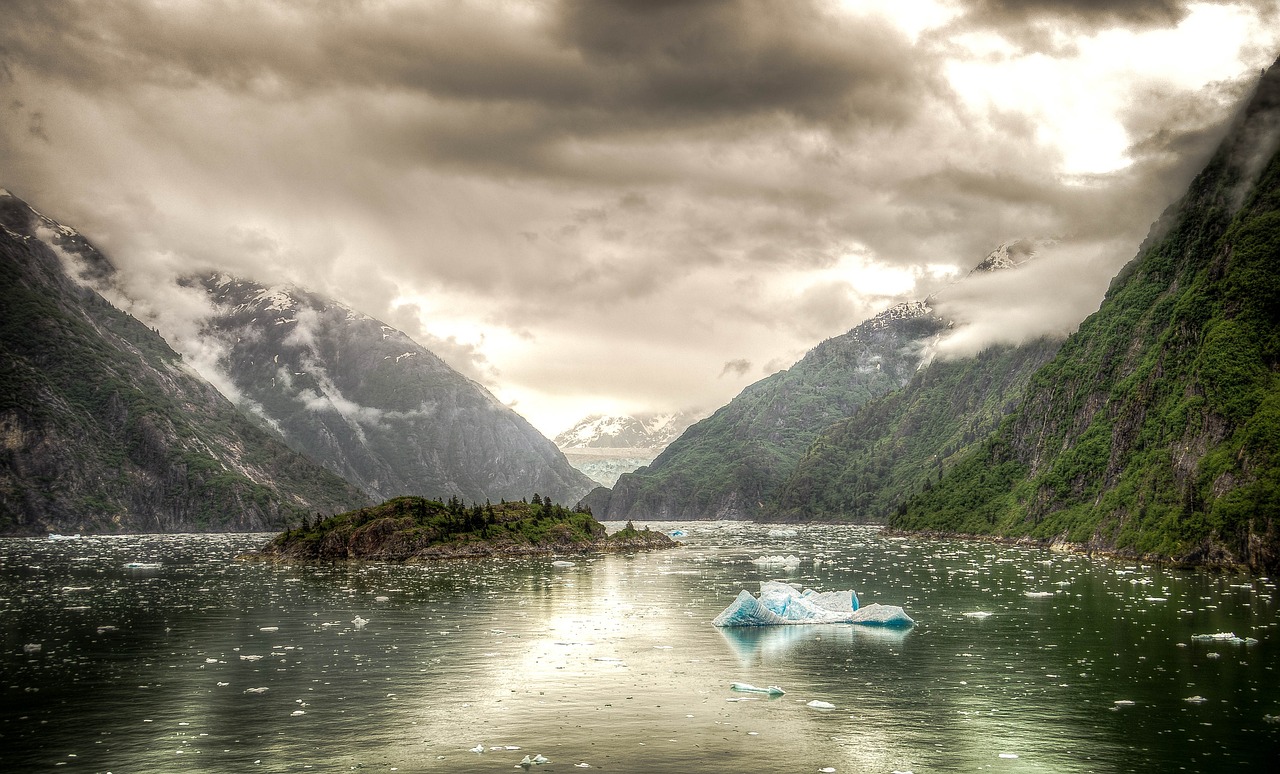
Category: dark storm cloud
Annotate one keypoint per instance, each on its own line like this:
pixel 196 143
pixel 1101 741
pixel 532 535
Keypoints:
pixel 499 91
pixel 593 179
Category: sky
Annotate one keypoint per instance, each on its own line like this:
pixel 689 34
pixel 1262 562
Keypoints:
pixel 622 206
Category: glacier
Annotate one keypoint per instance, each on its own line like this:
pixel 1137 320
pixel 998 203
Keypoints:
pixel 782 604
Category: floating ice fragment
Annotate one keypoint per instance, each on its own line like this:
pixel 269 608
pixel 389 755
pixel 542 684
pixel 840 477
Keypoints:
pixel 223 685
pixel 1218 636
pixel 1156 599
pixel 1271 718
pixel 978 614
pixel 1124 703
pixel 882 615
pixel 269 629
pixel 1197 699
pixel 359 622
pixel 477 749
pixel 381 599
pixel 816 704
pixel 772 690
pixel 32 647
pixel 827 770
pixel 562 563
pixel 296 713
pixel 789 562
pixel 142 565
pixel 213 660
pixel 1010 756
pixel 672 533
pixel 250 658
pixel 1039 594
pixel 781 603
pixel 588 765
pixel 536 760
pixel 256 690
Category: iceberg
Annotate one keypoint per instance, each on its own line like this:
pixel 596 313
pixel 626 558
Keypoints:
pixel 781 604
pixel 772 690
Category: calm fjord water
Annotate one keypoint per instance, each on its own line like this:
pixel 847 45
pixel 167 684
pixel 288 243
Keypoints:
pixel 197 661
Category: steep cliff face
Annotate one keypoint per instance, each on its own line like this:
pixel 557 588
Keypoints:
pixel 1156 429
pixel 863 468
pixel 372 405
pixel 102 427
pixel 726 466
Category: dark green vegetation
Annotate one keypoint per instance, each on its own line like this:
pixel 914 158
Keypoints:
pixel 103 429
pixel 1156 429
pixel 372 405
pixel 864 468
pixel 727 465
pixel 414 528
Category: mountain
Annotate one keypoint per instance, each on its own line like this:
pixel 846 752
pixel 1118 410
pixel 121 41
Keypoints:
pixel 726 465
pixel 102 426
pixel 1155 431
pixel 606 447
pixel 863 468
pixel 645 431
pixel 372 405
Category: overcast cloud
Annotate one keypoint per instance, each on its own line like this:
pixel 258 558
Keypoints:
pixel 596 206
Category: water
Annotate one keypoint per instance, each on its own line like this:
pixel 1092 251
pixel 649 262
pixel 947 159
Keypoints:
pixel 613 664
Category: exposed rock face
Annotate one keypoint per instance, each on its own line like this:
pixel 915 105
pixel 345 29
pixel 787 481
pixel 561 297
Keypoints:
pixel 102 426
pixel 726 466
pixel 1156 429
pixel 372 405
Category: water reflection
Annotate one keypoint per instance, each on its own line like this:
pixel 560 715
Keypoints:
pixel 225 665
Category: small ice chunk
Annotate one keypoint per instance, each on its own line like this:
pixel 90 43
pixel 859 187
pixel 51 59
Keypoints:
pixel 1213 637
pixel 827 770
pixel 250 658
pixel 359 622
pixel 269 629
pixel 536 760
pixel 1124 703
pixel 978 614
pixel 477 749
pixel 586 765
pixel 381 599
pixel 142 565
pixel 256 690
pixel 882 615
pixel 32 647
pixel 1009 756
pixel 211 661
pixel 816 704
pixel 1197 699
pixel 1039 594
pixel 789 562
pixel 672 533
pixel 771 690
pixel 562 563
pixel 296 713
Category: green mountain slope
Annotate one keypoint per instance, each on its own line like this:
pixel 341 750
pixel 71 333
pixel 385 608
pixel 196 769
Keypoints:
pixel 102 427
pixel 862 468
pixel 1156 429
pixel 728 464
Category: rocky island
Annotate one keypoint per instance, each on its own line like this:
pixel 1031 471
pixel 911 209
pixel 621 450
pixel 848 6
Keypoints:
pixel 408 529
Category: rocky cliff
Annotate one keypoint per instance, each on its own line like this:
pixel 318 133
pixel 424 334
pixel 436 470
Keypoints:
pixel 102 426
pixel 1155 431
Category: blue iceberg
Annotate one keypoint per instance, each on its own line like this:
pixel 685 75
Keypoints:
pixel 783 604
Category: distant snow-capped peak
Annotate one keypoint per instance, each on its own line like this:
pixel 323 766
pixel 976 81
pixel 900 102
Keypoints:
pixel 645 431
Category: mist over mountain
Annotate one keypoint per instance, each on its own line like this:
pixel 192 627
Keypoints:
pixel 372 405
pixel 105 428
pixel 1155 431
